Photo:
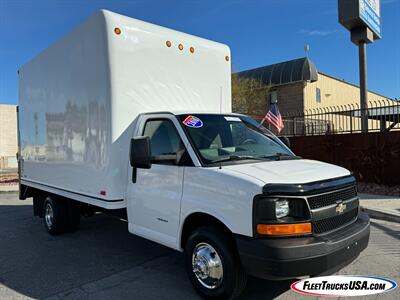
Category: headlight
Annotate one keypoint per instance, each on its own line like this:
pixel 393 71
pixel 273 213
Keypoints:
pixel 280 216
pixel 281 208
pixel 269 209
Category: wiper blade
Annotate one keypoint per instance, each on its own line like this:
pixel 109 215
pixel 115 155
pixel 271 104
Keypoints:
pixel 282 156
pixel 236 157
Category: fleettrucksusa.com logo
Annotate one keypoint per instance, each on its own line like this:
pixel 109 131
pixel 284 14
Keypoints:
pixel 343 286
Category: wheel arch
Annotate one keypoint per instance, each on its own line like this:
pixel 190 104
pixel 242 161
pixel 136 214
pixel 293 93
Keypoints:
pixel 197 219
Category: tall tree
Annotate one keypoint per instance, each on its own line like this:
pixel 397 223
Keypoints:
pixel 248 96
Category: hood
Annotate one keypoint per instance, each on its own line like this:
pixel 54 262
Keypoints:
pixel 289 171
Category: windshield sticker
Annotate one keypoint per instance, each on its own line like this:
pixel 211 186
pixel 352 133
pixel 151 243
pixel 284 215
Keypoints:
pixel 233 119
pixel 192 121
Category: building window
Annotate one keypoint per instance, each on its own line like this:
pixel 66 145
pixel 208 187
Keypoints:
pixel 318 95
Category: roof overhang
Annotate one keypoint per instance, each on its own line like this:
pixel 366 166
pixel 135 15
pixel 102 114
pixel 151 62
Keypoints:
pixel 292 71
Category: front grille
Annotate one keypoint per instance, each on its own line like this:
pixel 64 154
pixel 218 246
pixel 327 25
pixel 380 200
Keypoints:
pixel 334 222
pixel 331 198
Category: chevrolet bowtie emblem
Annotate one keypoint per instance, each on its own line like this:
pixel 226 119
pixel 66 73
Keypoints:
pixel 340 208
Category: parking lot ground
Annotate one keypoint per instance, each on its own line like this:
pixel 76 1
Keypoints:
pixel 103 261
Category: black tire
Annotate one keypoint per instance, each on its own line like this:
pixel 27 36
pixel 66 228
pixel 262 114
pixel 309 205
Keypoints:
pixel 55 215
pixel 234 277
pixel 60 215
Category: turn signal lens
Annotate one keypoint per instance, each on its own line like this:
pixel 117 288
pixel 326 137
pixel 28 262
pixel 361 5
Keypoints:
pixel 227 58
pixel 117 30
pixel 283 229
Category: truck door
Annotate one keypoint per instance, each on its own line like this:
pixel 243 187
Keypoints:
pixel 154 199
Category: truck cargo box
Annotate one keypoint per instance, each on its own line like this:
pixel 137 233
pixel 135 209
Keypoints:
pixel 79 98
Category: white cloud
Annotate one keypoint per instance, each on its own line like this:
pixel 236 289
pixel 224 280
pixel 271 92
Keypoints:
pixel 316 32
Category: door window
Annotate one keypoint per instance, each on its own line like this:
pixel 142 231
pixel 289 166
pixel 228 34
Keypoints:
pixel 165 140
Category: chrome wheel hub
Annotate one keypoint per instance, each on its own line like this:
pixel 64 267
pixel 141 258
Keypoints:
pixel 207 266
pixel 48 215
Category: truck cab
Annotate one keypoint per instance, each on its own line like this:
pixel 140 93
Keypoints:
pixel 205 183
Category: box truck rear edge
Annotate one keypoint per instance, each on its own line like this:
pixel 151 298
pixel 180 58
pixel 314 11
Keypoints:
pixel 135 119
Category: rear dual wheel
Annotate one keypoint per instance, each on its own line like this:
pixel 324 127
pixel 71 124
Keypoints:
pixel 60 215
pixel 213 265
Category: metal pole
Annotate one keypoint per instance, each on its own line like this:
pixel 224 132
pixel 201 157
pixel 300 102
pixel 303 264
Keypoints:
pixel 362 55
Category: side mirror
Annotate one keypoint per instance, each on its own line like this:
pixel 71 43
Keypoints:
pixel 140 152
pixel 285 140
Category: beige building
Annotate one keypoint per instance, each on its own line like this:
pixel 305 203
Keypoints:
pixel 308 99
pixel 8 136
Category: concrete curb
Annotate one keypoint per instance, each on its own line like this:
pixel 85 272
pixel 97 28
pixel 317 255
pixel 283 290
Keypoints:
pixel 382 214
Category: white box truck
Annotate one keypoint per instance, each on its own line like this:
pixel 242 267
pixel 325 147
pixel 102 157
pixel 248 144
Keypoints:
pixel 135 119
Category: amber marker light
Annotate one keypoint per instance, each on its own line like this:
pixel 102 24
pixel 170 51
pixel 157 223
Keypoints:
pixel 117 30
pixel 284 229
pixel 180 47
pixel 191 50
pixel 168 43
pixel 227 58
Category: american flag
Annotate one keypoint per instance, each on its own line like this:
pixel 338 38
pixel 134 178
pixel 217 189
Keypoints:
pixel 274 118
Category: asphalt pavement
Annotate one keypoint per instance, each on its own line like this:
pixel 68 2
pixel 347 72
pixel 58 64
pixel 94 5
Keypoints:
pixel 103 261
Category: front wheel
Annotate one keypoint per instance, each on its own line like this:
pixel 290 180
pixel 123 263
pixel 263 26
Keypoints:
pixel 213 265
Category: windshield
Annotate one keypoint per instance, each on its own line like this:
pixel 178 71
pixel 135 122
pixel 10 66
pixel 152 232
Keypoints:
pixel 221 138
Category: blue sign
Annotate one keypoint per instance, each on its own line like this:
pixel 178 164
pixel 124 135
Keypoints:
pixel 370 14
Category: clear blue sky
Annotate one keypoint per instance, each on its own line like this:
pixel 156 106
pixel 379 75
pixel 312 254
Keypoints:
pixel 258 32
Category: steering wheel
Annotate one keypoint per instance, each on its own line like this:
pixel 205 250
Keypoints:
pixel 248 142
